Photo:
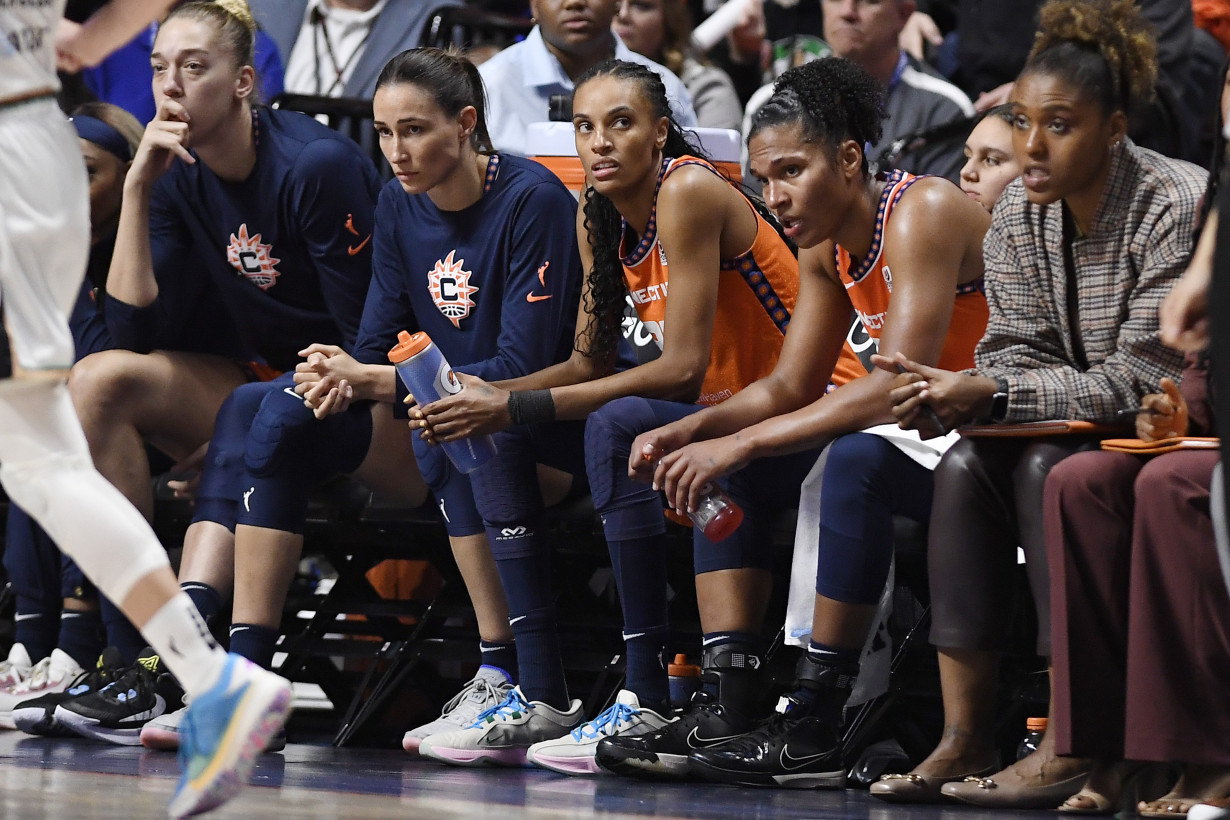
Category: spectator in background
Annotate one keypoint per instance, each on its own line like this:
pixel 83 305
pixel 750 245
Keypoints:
pixel 918 98
pixel 661 30
pixel 571 36
pixel 992 41
pixel 123 79
pixel 336 48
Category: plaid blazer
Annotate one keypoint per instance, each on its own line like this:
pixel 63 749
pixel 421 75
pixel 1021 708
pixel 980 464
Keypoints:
pixel 1138 247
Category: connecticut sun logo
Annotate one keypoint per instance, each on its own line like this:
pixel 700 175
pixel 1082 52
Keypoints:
pixel 450 289
pixel 251 258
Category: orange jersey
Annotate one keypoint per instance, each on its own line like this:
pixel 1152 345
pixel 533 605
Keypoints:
pixel 756 295
pixel 870 288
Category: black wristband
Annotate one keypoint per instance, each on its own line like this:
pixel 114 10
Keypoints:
pixel 531 406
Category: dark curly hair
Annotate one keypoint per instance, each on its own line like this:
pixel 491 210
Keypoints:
pixel 607 291
pixel 831 100
pixel 1103 47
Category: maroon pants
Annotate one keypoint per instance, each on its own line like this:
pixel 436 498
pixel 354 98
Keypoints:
pixel 1139 611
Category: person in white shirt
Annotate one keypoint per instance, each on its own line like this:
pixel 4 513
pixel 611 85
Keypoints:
pixel 570 37
pixel 336 48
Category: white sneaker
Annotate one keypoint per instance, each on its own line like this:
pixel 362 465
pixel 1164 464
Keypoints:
pixel 16 669
pixel 51 675
pixel 574 752
pixel 501 735
pixel 489 686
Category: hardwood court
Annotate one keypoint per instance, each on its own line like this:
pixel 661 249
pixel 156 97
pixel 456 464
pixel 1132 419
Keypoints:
pixel 55 778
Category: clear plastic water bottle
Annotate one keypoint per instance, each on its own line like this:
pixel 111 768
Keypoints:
pixel 425 372
pixel 716 514
pixel 684 680
pixel 1035 728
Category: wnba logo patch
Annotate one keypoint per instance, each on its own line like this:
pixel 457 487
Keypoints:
pixel 450 288
pixel 251 258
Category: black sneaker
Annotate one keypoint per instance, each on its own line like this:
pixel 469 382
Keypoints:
pixel 664 753
pixel 37 716
pixel 117 712
pixel 784 751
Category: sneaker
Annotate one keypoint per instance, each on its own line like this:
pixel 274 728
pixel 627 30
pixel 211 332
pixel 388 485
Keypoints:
pixel 52 674
pixel 16 668
pixel 574 752
pixel 791 752
pixel 36 716
pixel 163 732
pixel 663 753
pixel 222 732
pixel 116 712
pixel 486 689
pixel 501 735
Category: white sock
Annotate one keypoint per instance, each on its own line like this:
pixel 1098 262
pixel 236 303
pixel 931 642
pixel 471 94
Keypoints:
pixel 184 644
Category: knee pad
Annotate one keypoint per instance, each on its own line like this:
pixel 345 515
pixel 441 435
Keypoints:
pixel 609 433
pixel 451 488
pixel 279 429
pixel 222 475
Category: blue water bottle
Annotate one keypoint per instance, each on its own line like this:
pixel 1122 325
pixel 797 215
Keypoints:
pixel 427 375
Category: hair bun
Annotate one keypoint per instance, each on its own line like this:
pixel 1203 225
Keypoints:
pixel 240 11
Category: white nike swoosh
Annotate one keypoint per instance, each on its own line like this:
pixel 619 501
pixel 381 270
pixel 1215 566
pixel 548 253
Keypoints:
pixel 708 641
pixel 290 391
pixel 628 637
pixel 705 741
pixel 512 621
pixel 159 707
pixel 787 759
pixel 30 615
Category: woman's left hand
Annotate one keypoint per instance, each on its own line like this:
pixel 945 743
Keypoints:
pixel 955 397
pixel 477 409
pixel 683 474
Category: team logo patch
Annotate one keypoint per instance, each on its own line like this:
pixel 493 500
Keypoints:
pixel 888 277
pixel 252 258
pixel 450 288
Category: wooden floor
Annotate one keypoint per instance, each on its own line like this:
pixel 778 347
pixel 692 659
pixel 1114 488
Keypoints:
pixel 58 779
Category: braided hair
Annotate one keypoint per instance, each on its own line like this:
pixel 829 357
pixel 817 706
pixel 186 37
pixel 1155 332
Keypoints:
pixel 1103 47
pixel 607 291
pixel 831 100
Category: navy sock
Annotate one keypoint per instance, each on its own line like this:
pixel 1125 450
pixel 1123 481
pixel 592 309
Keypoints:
pixel 254 642
pixel 208 601
pixel 81 636
pixel 524 565
pixel 501 655
pixel 35 630
pixel 120 632
pixel 645 672
pixel 640 575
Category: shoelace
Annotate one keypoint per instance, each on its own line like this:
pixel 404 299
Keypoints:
pixel 511 706
pixel 136 678
pixel 38 678
pixel 11 673
pixel 615 715
pixel 475 686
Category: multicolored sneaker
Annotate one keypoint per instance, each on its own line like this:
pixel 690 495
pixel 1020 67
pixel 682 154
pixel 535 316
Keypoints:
pixel 15 668
pixel 223 730
pixel 501 735
pixel 488 688
pixel 36 716
pixel 163 732
pixel 52 674
pixel 117 711
pixel 574 752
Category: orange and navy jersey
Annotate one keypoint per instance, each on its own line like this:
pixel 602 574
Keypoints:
pixel 756 295
pixel 870 288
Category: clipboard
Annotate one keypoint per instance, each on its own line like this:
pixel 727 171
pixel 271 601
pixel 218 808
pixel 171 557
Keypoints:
pixel 1165 445
pixel 1032 429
